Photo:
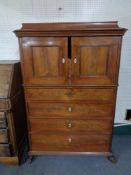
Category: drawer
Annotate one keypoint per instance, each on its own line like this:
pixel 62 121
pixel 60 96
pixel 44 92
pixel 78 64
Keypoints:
pixel 3 136
pixel 5 150
pixel 5 104
pixel 95 143
pixel 88 94
pixel 2 120
pixel 69 110
pixel 70 126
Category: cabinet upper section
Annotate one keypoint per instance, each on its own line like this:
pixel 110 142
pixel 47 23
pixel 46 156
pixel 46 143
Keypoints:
pixel 71 29
pixel 83 54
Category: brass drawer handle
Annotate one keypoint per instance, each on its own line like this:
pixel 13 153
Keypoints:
pixel 63 60
pixel 69 125
pixel 69 140
pixel 69 109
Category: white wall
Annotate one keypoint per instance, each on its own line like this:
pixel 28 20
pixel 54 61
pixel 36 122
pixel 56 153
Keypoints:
pixel 15 12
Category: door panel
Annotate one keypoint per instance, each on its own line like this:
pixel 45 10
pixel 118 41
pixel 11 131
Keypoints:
pixel 50 67
pixel 45 60
pixel 95 60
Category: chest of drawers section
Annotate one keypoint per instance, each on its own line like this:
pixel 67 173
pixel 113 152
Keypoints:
pixel 70 119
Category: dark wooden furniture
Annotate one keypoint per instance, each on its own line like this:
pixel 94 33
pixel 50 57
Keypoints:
pixel 12 113
pixel 70 73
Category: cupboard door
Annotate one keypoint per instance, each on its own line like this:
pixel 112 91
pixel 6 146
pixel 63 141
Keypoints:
pixel 95 60
pixel 44 60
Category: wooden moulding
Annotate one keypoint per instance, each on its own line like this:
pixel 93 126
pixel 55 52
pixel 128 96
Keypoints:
pixel 69 153
pixel 70 29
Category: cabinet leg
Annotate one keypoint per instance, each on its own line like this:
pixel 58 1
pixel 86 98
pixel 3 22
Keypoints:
pixel 30 159
pixel 112 159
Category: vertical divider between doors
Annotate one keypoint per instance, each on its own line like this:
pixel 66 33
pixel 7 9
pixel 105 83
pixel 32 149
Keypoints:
pixel 69 60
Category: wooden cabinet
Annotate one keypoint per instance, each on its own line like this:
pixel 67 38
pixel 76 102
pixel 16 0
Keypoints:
pixel 70 73
pixel 13 128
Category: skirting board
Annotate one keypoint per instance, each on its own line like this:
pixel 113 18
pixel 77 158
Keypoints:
pixel 122 128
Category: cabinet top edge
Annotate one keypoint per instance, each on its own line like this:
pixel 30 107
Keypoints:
pixel 69 26
pixel 8 62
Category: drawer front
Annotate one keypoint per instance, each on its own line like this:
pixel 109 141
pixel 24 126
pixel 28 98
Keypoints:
pixel 70 126
pixel 77 143
pixel 89 94
pixel 3 136
pixel 69 110
pixel 5 150
pixel 2 120
pixel 5 104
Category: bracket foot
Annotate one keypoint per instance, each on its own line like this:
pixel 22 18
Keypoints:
pixel 112 159
pixel 30 159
